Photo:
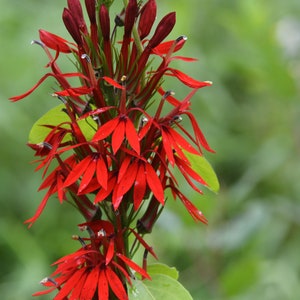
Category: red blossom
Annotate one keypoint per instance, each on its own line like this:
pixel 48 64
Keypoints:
pixel 93 270
pixel 113 157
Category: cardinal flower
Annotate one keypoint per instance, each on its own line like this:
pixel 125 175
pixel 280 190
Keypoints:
pixel 92 272
pixel 113 147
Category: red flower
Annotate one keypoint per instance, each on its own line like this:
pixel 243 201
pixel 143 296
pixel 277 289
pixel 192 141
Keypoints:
pixel 93 271
pixel 113 157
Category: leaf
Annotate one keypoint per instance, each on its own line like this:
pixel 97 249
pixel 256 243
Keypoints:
pixel 163 285
pixel 159 268
pixel 201 166
pixel 54 117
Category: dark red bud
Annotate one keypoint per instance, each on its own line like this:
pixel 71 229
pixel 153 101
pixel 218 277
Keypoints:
pixel 76 11
pixel 163 29
pixel 71 26
pixel 130 15
pixel 91 10
pixel 104 22
pixel 147 18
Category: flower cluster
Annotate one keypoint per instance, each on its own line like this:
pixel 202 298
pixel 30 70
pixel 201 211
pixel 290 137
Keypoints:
pixel 93 269
pixel 120 140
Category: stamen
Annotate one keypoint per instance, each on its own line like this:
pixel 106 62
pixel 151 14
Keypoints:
pixel 101 233
pixel 78 238
pixel 45 144
pixel 47 280
pixel 88 229
pixel 167 94
pixel 180 38
pixel 62 99
pixel 82 227
pixel 37 43
pixel 97 120
pixel 86 57
pixel 143 121
pixel 119 20
pixel 98 73
pixel 177 118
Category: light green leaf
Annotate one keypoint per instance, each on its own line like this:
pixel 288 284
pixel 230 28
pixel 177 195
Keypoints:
pixel 200 165
pixel 159 268
pixel 162 285
pixel 54 117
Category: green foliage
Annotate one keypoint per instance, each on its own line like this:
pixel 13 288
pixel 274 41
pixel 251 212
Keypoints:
pixel 203 167
pixel 57 117
pixel 163 285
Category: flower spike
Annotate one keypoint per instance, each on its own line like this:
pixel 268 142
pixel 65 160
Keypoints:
pixel 115 143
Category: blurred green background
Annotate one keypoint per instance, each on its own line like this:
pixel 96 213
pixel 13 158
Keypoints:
pixel 250 49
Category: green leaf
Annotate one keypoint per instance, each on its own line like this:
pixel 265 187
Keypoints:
pixel 159 268
pixel 54 117
pixel 163 285
pixel 200 165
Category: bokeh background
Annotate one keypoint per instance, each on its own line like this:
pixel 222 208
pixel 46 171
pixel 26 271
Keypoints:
pixel 250 49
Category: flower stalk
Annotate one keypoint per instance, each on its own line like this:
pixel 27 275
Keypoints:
pixel 105 151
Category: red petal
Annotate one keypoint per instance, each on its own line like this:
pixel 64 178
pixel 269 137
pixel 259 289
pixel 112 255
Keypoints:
pixel 132 136
pixel 78 170
pixel 133 265
pixel 102 194
pixel 139 187
pixel 124 166
pixel 90 285
pixel 103 289
pixel 187 59
pixel 41 206
pixel 75 295
pixel 50 179
pixel 118 136
pixel 102 173
pixel 125 184
pixel 186 168
pixel 60 190
pixel 192 209
pixel 145 129
pixel 199 135
pixel 154 183
pixel 142 241
pixel 75 92
pixel 69 285
pixel 88 175
pixel 55 42
pixel 17 98
pixel 164 48
pixel 123 271
pixel 172 100
pixel 110 252
pixel 187 80
pixel 116 284
pixel 113 82
pixel 181 141
pixel 167 146
pixel 105 130
pixel 44 292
